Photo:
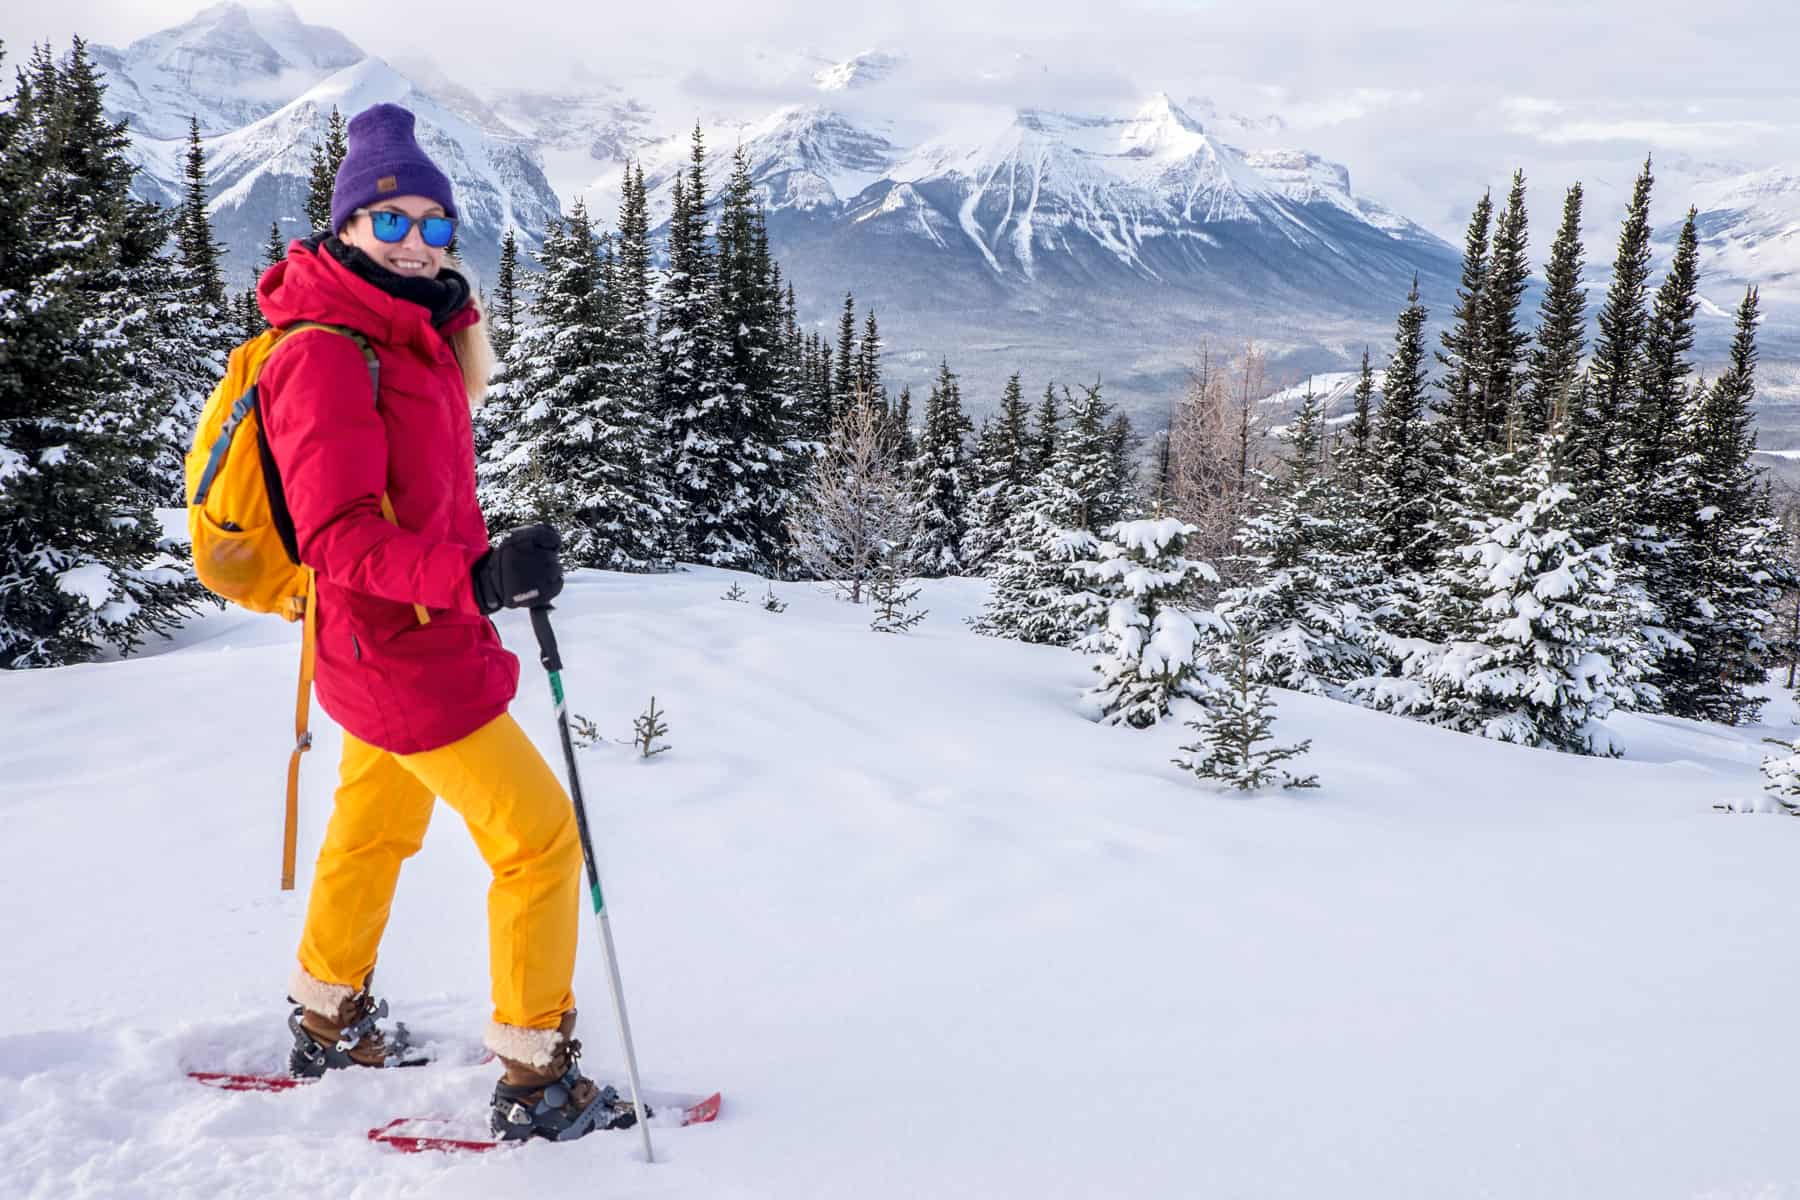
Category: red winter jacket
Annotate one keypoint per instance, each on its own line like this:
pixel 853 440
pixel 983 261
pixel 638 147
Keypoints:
pixel 389 680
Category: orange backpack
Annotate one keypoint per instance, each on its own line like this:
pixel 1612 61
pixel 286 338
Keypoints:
pixel 244 545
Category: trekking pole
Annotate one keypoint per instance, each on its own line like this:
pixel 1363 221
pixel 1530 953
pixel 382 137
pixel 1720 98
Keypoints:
pixel 552 660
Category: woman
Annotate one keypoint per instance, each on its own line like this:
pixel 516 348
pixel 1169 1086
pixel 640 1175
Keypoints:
pixel 381 489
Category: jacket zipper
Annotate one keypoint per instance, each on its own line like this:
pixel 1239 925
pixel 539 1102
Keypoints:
pixel 355 648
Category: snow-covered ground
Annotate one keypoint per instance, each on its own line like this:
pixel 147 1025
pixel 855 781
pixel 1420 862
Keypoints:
pixel 931 932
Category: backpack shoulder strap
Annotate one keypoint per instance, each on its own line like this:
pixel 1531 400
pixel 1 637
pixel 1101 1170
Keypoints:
pixel 362 343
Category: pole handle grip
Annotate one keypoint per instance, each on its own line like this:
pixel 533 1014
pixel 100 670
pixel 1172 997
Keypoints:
pixel 548 654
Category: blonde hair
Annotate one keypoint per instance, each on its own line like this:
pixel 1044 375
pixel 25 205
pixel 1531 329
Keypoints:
pixel 473 349
pixel 475 354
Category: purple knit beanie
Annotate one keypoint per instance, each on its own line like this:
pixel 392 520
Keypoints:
pixel 384 159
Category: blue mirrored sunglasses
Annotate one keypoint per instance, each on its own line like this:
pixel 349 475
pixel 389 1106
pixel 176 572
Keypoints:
pixel 391 226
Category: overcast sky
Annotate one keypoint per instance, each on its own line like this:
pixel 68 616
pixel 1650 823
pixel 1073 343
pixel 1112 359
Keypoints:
pixel 1427 103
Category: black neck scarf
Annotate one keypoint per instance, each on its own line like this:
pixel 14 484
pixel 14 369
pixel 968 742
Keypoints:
pixel 442 297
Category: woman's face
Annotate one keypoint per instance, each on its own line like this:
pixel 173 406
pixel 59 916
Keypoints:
pixel 408 256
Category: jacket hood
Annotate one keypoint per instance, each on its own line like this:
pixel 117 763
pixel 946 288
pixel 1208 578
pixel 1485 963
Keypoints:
pixel 311 285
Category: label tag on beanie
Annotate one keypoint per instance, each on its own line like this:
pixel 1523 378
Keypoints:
pixel 386 183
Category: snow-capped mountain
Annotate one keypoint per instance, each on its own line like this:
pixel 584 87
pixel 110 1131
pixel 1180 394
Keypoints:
pixel 1749 227
pixel 241 59
pixel 1035 238
pixel 232 64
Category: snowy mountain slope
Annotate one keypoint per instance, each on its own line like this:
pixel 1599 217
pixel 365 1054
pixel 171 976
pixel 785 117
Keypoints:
pixel 1749 226
pixel 260 172
pixel 930 931
pixel 232 64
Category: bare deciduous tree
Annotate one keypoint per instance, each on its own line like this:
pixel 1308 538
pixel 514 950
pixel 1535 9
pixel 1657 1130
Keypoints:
pixel 1213 432
pixel 857 509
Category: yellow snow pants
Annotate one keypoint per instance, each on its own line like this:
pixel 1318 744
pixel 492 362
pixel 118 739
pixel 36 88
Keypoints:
pixel 523 825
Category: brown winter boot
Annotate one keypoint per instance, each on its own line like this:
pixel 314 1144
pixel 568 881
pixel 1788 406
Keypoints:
pixel 543 1092
pixel 344 1036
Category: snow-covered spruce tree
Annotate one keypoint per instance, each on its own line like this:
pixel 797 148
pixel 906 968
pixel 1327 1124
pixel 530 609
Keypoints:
pixel 1239 718
pixel 941 478
pixel 1650 506
pixel 750 316
pixel 1529 664
pixel 1124 441
pixel 868 362
pixel 1504 340
pixel 200 254
pixel 900 433
pixel 1561 330
pixel 1002 477
pixel 191 329
pixel 1149 639
pixel 1358 448
pixel 1462 355
pixel 1299 602
pixel 1040 592
pixel 503 317
pixel 1602 460
pixel 715 448
pixel 1404 478
pixel 1047 432
pixel 855 516
pixel 576 451
pixel 327 153
pixel 1732 546
pixel 843 374
pixel 83 564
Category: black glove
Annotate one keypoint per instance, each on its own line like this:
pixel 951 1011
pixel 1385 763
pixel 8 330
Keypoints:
pixel 521 570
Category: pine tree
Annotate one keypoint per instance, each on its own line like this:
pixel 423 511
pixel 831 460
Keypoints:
pixel 905 444
pixel 750 320
pixel 1657 402
pixel 200 254
pixel 573 448
pixel 1148 641
pixel 1529 663
pixel 1464 354
pixel 1402 481
pixel 1123 440
pixel 868 362
pixel 274 249
pixel 1240 717
pixel 85 292
pixel 1041 593
pixel 1361 432
pixel 942 479
pixel 327 153
pixel 1732 546
pixel 1618 355
pixel 1296 603
pixel 843 375
pixel 705 420
pixel 1049 431
pixel 1002 478
pixel 503 323
pixel 1504 341
pixel 1648 500
pixel 1562 328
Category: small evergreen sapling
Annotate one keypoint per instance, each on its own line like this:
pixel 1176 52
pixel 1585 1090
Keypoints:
pixel 1240 716
pixel 648 729
pixel 770 603
pixel 892 598
pixel 736 592
pixel 583 732
pixel 1147 641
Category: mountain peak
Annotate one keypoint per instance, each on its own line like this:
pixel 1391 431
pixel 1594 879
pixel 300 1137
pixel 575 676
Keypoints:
pixel 864 70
